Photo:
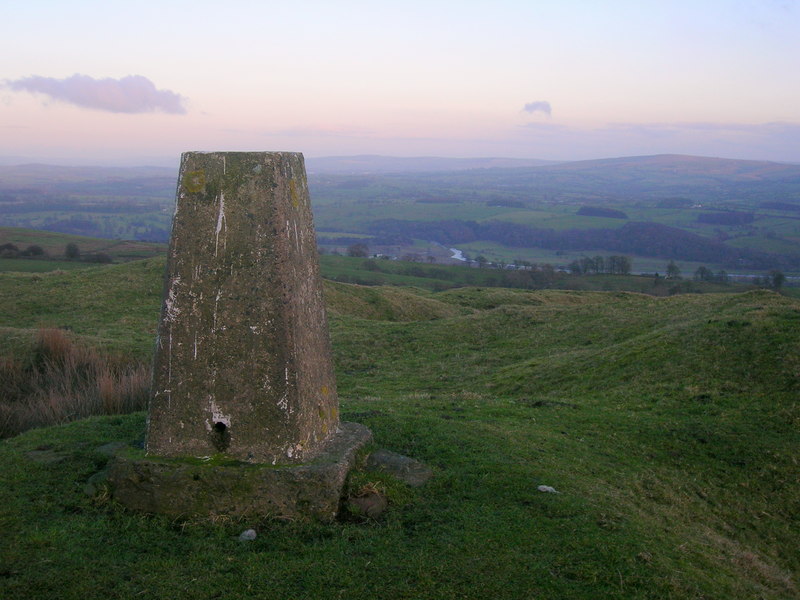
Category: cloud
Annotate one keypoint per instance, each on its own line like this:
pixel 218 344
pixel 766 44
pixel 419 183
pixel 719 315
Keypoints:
pixel 131 94
pixel 538 106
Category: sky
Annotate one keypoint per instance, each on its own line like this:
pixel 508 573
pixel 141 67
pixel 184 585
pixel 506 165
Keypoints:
pixel 107 82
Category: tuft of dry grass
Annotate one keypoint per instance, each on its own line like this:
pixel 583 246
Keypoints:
pixel 54 345
pixel 757 567
pixel 62 381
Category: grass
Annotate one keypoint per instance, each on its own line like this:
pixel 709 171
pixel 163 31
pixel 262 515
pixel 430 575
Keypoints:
pixel 116 306
pixel 775 245
pixel 60 381
pixel 54 244
pixel 26 265
pixel 668 425
pixel 113 306
pixel 442 277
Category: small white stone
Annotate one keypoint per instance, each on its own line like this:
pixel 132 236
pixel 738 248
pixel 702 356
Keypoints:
pixel 548 489
pixel 247 535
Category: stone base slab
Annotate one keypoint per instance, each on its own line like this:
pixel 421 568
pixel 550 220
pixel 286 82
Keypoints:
pixel 189 488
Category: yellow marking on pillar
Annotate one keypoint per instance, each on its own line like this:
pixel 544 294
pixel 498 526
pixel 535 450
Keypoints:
pixel 194 181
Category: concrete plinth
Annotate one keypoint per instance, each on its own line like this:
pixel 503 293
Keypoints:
pixel 188 488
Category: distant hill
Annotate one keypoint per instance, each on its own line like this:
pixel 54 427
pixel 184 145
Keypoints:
pixel 371 164
pixel 678 165
pixel 629 179
pixel 35 174
pixel 666 166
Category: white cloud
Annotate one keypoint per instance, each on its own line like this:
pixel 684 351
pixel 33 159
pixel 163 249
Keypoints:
pixel 538 106
pixel 131 94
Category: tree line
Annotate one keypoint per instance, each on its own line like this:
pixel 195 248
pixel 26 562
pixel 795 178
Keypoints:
pixel 71 252
pixel 612 265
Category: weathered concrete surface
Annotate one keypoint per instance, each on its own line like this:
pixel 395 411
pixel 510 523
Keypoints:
pixel 185 489
pixel 243 362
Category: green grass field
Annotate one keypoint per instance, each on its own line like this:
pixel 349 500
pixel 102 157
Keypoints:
pixel 18 265
pixel 778 246
pixel 668 425
pixel 441 277
pixel 55 243
pixel 495 252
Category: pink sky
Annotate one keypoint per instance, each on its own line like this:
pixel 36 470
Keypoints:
pixel 107 82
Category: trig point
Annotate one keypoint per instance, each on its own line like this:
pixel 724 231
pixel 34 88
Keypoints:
pixel 243 361
pixel 243 375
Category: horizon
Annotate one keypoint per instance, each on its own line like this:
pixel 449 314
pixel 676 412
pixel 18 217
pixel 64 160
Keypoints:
pixel 509 79
pixel 166 163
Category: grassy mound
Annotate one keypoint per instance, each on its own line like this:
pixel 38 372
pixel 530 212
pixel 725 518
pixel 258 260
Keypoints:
pixel 487 298
pixel 385 303
pixel 115 306
pixel 744 343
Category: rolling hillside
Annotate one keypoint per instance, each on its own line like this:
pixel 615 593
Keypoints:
pixel 668 425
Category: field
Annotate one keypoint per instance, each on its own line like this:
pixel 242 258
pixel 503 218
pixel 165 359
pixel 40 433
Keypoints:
pixel 54 244
pixel 740 216
pixel 668 425
pixel 747 207
pixel 442 277
pixel 116 203
pixel 38 266
pixel 385 272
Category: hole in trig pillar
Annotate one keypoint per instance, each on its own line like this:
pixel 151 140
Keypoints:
pixel 220 436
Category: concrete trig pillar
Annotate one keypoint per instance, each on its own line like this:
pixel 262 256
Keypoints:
pixel 243 361
pixel 243 378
